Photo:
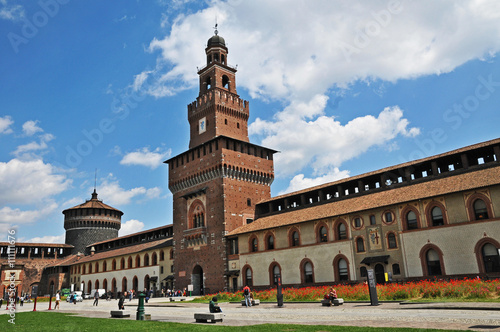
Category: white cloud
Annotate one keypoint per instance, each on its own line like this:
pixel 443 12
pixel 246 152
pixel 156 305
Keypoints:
pixel 5 124
pixel 112 193
pixel 300 52
pixel 48 239
pixel 18 216
pixel 11 12
pixel 30 128
pixel 144 157
pixel 300 182
pixel 130 226
pixel 27 182
pixel 33 150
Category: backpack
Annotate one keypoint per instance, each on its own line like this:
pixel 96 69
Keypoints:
pixel 245 291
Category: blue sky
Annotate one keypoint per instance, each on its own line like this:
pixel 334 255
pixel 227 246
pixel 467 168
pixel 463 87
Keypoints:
pixel 339 88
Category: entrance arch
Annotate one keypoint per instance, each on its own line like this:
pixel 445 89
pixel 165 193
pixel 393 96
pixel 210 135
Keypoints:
pixel 380 274
pixel 197 280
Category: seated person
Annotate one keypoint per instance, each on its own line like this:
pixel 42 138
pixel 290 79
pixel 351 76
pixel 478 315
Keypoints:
pixel 332 294
pixel 214 307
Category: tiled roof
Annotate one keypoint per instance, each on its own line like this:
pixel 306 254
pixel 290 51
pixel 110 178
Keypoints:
pixel 457 183
pixel 93 203
pixel 130 235
pixel 47 245
pixel 64 261
pixel 126 250
pixel 388 169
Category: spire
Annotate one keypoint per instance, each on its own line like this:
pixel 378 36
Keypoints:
pixel 94 194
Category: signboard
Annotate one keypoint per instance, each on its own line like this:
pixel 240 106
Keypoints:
pixel 372 287
pixel 190 288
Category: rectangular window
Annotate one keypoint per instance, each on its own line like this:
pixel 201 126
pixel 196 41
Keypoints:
pixel 372 220
pixel 233 246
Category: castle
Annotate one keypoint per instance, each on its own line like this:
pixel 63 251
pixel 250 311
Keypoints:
pixel 433 217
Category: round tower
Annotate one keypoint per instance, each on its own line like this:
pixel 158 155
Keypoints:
pixel 90 222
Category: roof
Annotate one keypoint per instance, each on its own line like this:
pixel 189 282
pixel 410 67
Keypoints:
pixel 216 40
pixel 388 169
pixel 126 250
pixel 47 245
pixel 130 235
pixel 64 261
pixel 411 192
pixel 93 203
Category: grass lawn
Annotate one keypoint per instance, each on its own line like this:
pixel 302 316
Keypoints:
pixel 52 321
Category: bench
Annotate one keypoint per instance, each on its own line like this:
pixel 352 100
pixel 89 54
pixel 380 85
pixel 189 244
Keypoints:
pixel 254 302
pixel 119 314
pixel 328 303
pixel 173 299
pixel 204 317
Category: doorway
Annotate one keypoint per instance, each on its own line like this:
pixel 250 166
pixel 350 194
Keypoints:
pixel 197 280
pixel 380 274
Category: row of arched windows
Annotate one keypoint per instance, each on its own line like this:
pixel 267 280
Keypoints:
pixel 306 268
pixel 113 287
pixel 479 208
pixel 121 265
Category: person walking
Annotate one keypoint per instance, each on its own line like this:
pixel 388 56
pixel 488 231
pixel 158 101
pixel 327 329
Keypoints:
pixel 121 301
pixel 96 298
pixel 246 294
pixel 58 299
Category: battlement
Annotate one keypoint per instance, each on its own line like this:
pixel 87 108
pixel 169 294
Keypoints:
pixel 218 97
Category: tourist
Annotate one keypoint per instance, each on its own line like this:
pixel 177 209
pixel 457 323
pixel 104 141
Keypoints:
pixel 246 294
pixel 96 298
pixel 58 300
pixel 121 301
pixel 213 306
pixel 332 294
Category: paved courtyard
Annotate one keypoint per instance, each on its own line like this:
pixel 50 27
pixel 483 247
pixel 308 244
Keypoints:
pixel 460 316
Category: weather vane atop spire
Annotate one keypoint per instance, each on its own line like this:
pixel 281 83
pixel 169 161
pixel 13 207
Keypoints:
pixel 95 180
pixel 215 27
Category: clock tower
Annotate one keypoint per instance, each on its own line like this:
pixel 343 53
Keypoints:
pixel 217 182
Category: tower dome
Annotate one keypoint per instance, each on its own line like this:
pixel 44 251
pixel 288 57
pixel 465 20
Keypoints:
pixel 90 222
pixel 216 40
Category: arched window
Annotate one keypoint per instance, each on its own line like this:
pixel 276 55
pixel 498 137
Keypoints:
pixel 411 221
pixel 363 272
pixel 360 244
pixel 307 273
pixel 124 284
pixel 341 231
pixel 395 269
pixel 437 216
pixel 357 222
pixel 254 245
pixel 248 277
pixel 97 284
pixel 323 234
pixel 270 242
pixel 208 83
pixel 84 269
pixel 342 268
pixel 137 261
pixel 480 210
pixel 391 241
pixel 276 274
pixel 162 255
pixel 96 267
pixel 135 283
pixel 113 265
pixel 225 81
pixel 105 284
pixel 388 217
pixel 154 259
pixel 295 239
pixel 146 260
pixel 104 266
pixel 122 263
pixel 89 285
pixel 171 254
pixel 90 268
pixel 129 262
pixel 491 258
pixel 433 263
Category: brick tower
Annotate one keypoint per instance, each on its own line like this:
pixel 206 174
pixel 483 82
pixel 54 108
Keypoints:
pixel 90 222
pixel 218 181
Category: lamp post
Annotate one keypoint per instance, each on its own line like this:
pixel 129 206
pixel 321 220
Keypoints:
pixel 140 307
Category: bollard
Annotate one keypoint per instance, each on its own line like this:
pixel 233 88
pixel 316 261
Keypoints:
pixel 50 302
pixel 34 308
pixel 279 294
pixel 140 307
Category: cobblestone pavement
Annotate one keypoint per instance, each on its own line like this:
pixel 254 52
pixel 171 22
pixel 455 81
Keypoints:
pixel 459 316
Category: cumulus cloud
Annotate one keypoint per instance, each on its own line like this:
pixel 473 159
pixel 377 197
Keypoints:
pixel 48 239
pixel 5 123
pixel 144 157
pixel 131 226
pixel 112 193
pixel 30 128
pixel 27 182
pixel 300 182
pixel 299 53
pixel 33 150
pixel 18 216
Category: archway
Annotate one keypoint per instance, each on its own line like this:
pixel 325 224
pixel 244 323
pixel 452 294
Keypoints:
pixel 380 274
pixel 197 280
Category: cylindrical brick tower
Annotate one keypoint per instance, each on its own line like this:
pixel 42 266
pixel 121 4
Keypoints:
pixel 90 222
